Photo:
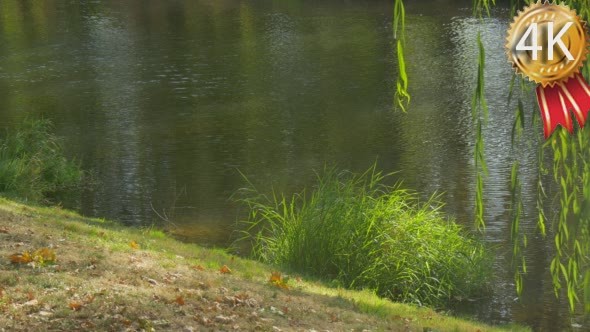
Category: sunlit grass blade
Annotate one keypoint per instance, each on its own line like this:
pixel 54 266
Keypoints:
pixel 360 233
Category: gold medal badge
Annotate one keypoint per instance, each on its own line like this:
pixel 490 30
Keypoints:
pixel 548 43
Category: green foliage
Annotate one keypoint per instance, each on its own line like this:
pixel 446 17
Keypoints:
pixel 582 7
pixel 569 163
pixel 402 95
pixel 479 6
pixel 571 172
pixel 362 234
pixel 479 114
pixel 517 236
pixel 32 163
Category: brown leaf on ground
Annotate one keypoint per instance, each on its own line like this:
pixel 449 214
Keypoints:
pixel 75 305
pixel 198 268
pixel 225 270
pixel 31 302
pixel 134 245
pixel 179 300
pixel 21 258
pixel 42 256
pixel 277 279
pixel 224 319
pixel 4 230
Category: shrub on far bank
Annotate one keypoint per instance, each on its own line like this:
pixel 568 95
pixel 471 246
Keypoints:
pixel 361 234
pixel 32 163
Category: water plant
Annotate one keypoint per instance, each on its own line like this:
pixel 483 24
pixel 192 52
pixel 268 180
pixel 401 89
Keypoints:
pixel 32 163
pixel 359 233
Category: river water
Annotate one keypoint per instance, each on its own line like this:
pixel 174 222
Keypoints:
pixel 168 101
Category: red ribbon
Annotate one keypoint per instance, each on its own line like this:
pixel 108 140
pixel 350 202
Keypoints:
pixel 557 101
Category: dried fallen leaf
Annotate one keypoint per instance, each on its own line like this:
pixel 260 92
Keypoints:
pixel 45 313
pixel 334 318
pixel 198 268
pixel 19 258
pixel 75 305
pixel 277 279
pixel 224 319
pixel 4 230
pixel 134 245
pixel 41 256
pixel 31 303
pixel 225 270
pixel 86 325
pixel 179 300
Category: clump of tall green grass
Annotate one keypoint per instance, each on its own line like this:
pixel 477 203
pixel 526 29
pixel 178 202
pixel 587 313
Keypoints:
pixel 32 163
pixel 363 234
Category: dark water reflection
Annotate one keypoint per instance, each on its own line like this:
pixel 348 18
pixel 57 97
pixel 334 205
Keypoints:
pixel 166 100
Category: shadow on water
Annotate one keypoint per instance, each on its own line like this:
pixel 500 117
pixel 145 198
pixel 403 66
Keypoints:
pixel 166 100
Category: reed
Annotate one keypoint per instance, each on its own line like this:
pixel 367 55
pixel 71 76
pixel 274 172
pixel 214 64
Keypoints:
pixel 359 233
pixel 32 163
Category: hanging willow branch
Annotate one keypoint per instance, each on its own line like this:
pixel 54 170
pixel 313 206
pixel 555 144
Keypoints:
pixel 479 114
pixel 518 238
pixel 570 227
pixel 570 268
pixel 402 96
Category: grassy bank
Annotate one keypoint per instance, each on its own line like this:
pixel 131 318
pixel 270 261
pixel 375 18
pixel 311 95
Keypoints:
pixel 108 277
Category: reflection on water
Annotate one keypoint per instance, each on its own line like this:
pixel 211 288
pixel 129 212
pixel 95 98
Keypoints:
pixel 167 100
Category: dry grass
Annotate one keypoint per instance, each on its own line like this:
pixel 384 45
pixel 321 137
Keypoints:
pixel 111 278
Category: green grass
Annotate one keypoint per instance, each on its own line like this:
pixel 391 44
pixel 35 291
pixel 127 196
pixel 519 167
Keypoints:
pixel 361 234
pixel 32 163
pixel 123 299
